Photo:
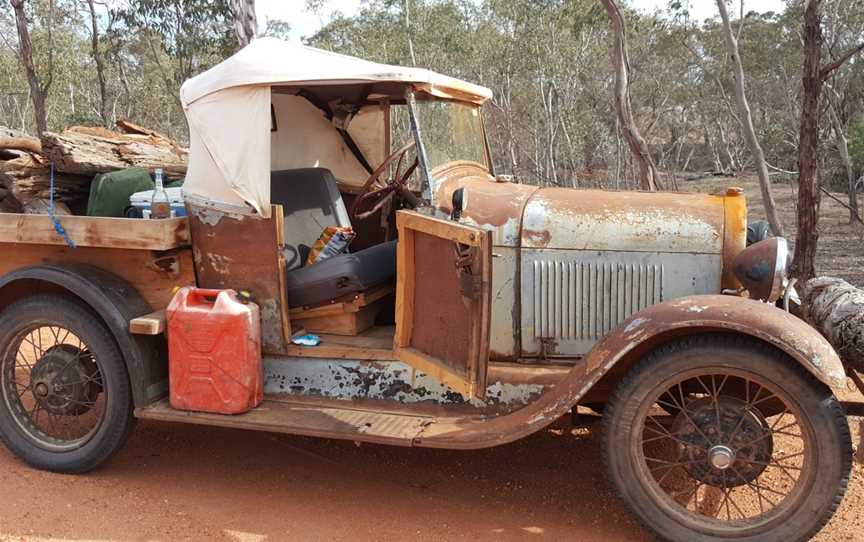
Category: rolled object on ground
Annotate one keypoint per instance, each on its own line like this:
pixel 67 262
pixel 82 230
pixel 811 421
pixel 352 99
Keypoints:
pixel 836 309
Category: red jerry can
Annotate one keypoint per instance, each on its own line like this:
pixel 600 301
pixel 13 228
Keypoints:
pixel 214 352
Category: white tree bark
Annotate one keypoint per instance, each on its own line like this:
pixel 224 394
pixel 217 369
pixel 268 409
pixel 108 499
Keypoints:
pixel 747 122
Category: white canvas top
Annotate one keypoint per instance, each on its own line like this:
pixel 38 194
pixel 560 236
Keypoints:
pixel 228 109
pixel 271 61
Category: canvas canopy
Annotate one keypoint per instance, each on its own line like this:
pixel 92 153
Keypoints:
pixel 231 122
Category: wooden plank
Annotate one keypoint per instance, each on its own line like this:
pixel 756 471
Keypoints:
pixel 445 229
pixel 96 232
pixel 349 323
pixel 279 217
pixel 149 324
pixel 338 308
pixel 404 287
pixel 375 344
pixel 155 275
pixel 435 369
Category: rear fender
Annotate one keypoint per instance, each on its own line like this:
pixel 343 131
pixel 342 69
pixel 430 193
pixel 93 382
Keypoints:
pixel 116 302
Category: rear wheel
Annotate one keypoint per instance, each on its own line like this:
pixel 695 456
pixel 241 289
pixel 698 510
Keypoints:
pixel 65 399
pixel 721 437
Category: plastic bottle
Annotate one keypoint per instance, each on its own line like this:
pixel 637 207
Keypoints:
pixel 160 205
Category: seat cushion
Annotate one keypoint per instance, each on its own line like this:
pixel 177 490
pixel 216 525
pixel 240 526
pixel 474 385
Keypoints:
pixel 342 275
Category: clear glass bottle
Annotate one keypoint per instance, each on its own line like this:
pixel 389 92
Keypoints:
pixel 160 205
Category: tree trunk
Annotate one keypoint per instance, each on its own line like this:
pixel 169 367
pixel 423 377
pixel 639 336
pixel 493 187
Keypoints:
pixel 648 178
pixel 38 89
pixel 747 124
pixel 245 22
pixel 809 195
pixel 100 64
pixel 843 148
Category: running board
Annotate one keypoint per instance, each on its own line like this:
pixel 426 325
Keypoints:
pixel 304 419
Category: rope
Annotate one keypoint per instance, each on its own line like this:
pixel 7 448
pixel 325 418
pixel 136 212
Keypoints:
pixel 57 226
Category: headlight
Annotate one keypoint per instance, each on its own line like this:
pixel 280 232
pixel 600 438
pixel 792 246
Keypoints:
pixel 761 268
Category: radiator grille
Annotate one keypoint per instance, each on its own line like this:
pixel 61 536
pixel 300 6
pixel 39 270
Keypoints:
pixel 584 300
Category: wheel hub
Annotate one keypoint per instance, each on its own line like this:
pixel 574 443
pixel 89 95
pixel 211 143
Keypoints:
pixel 721 457
pixel 724 443
pixel 64 381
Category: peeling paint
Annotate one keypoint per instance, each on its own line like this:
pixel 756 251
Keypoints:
pixel 636 322
pixel 208 216
pixel 220 263
pixel 394 381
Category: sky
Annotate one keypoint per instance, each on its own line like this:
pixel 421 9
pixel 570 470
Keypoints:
pixel 304 23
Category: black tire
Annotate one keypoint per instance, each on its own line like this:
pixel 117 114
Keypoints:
pixel 825 459
pixel 114 421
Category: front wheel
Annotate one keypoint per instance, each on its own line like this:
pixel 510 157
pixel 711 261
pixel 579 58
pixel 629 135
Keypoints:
pixel 65 398
pixel 720 437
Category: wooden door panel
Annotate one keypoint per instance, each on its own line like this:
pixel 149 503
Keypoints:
pixel 442 300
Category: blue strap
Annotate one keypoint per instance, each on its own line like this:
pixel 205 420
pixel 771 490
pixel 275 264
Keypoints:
pixel 57 226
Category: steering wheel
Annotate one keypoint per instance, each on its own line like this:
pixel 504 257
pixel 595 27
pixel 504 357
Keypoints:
pixel 397 187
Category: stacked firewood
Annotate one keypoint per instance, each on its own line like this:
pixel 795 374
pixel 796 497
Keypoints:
pixel 77 154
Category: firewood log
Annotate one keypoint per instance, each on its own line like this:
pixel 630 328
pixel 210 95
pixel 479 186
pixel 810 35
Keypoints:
pixel 88 151
pixel 836 309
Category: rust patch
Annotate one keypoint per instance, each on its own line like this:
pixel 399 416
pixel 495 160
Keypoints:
pixel 537 238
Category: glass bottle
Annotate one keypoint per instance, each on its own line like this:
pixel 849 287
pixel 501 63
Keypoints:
pixel 160 205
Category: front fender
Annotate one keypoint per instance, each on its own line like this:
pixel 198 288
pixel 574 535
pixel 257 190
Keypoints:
pixel 645 330
pixel 637 336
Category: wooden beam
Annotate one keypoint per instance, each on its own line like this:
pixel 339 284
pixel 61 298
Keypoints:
pixel 149 324
pixel 446 229
pixel 96 232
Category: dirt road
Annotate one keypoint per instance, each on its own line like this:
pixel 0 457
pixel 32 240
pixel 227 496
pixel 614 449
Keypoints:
pixel 173 482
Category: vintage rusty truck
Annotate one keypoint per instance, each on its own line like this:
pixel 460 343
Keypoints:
pixel 471 311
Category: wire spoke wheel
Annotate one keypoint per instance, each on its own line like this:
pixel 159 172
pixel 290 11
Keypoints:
pixel 722 437
pixel 53 386
pixel 735 451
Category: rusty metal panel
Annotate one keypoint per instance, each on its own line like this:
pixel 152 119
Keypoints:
pixel 243 253
pixel 504 334
pixel 351 380
pixel 493 206
pixel 559 218
pixel 571 299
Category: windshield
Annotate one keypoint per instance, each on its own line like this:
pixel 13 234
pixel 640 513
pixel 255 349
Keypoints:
pixel 451 131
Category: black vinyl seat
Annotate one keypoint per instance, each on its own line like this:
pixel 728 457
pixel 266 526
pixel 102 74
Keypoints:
pixel 310 202
pixel 342 275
